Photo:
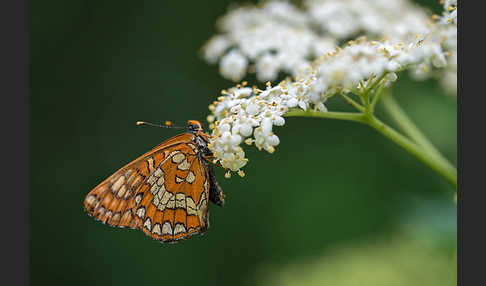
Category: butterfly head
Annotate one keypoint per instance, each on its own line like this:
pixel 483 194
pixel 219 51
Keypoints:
pixel 194 126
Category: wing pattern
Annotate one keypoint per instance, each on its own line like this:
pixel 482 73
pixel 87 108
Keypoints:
pixel 164 193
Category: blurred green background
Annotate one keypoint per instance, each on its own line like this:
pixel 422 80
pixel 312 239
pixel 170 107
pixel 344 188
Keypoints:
pixel 336 202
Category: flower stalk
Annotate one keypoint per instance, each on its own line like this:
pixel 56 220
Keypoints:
pixel 432 159
pixel 422 149
pixel 349 116
pixel 398 115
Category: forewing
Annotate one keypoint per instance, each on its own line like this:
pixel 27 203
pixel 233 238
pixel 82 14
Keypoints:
pixel 112 200
pixel 173 203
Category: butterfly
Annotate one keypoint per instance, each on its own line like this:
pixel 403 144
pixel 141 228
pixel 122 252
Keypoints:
pixel 165 191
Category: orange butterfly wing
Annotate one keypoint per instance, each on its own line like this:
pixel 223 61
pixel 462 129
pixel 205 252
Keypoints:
pixel 163 192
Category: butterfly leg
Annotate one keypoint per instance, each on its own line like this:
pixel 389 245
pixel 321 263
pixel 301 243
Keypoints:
pixel 211 159
pixel 216 194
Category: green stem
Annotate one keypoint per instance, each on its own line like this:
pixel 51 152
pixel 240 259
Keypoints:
pixel 436 163
pixel 376 97
pixel 350 116
pixel 375 83
pixel 406 125
pixel 352 102
pixel 431 159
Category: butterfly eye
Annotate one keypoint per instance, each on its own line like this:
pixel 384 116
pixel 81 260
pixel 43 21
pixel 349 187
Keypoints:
pixel 194 125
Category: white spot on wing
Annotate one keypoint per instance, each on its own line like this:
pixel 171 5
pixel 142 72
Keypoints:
pixel 184 165
pixel 158 172
pixel 191 206
pixel 141 212
pixel 180 201
pixel 148 224
pixel 151 180
pixel 138 198
pixel 118 184
pixel 167 228
pixel 156 200
pixel 179 228
pixel 206 186
pixel 171 202
pixel 108 215
pixel 193 147
pixel 160 181
pixel 165 199
pixel 121 192
pixel 155 188
pixel 190 177
pixel 90 200
pixel 177 158
pixel 156 229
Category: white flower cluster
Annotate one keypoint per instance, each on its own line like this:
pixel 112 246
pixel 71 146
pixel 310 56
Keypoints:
pixel 441 48
pixel 244 114
pixel 276 36
pixel 448 39
pixel 449 15
pixel 394 20
pixel 399 21
pixel 268 39
pixel 361 60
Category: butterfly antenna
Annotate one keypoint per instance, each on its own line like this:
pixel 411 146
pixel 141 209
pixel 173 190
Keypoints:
pixel 168 124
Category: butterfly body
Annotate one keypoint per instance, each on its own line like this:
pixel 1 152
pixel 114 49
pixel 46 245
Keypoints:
pixel 164 192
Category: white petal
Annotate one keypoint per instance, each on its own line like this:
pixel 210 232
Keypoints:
pixel 266 125
pixel 292 102
pixel 279 121
pixel 245 130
